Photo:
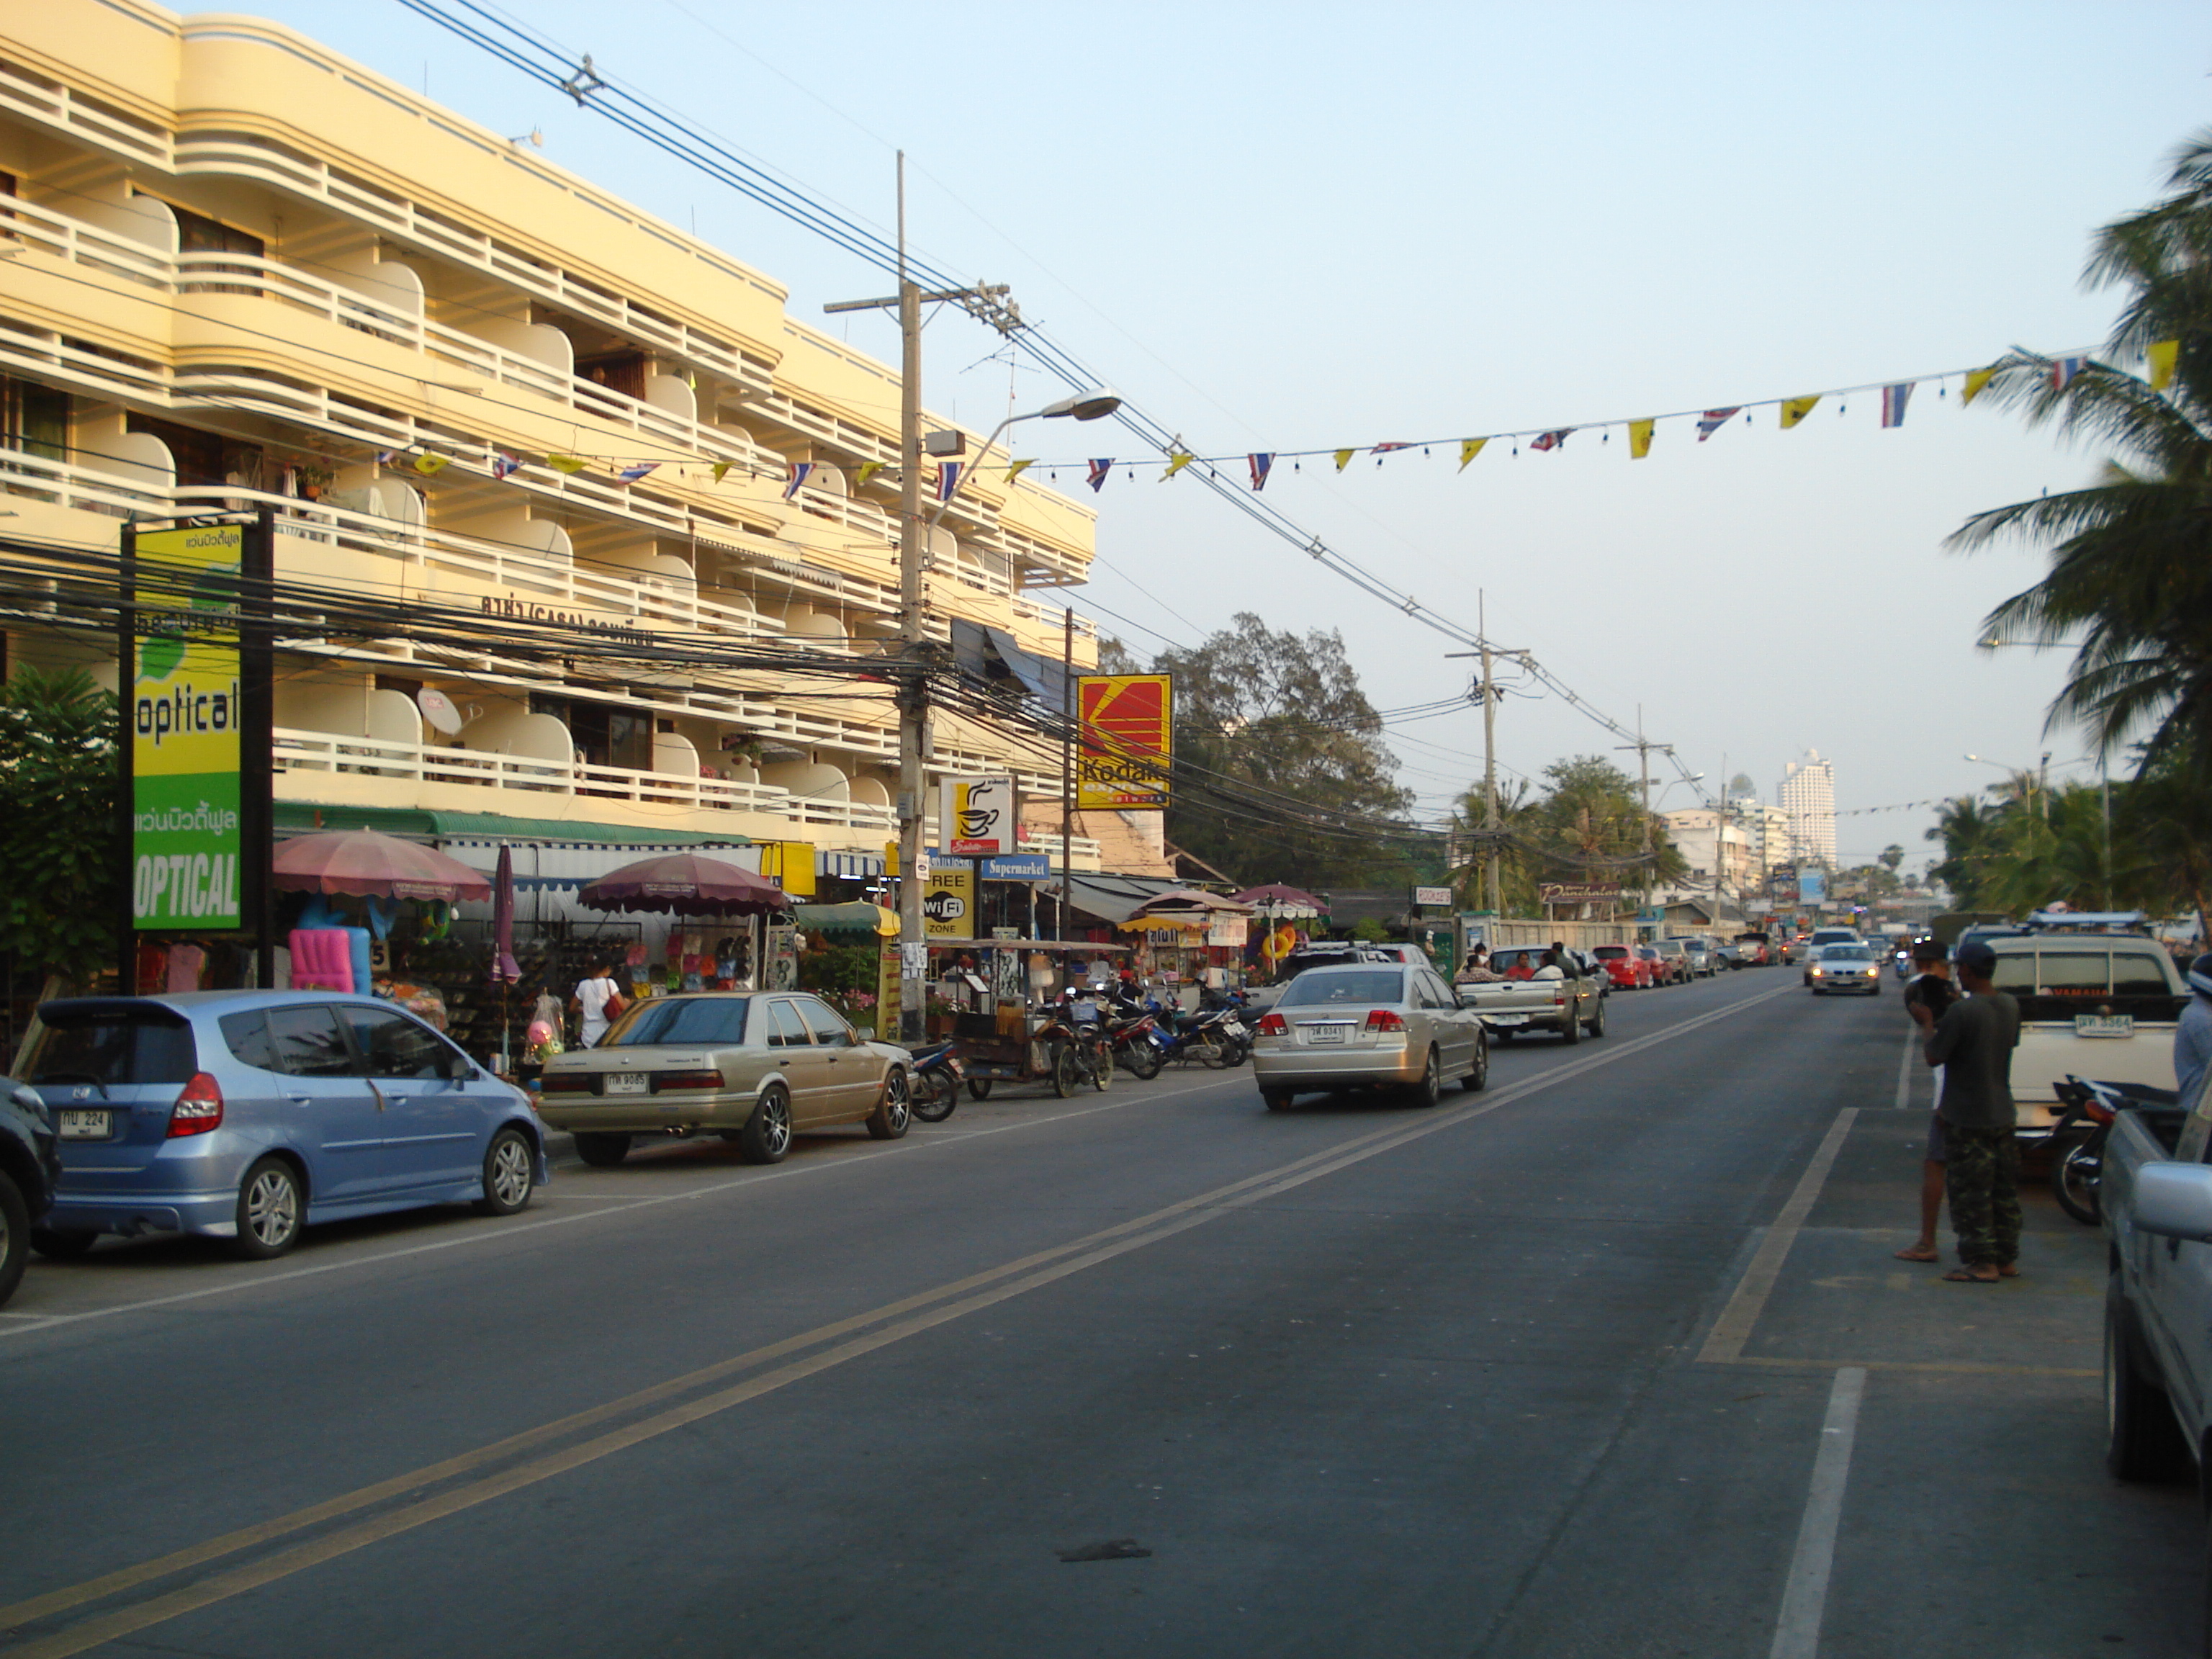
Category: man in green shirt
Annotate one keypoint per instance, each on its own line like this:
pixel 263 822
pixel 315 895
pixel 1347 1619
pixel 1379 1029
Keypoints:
pixel 1974 1043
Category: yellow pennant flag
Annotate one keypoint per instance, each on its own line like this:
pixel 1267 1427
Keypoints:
pixel 1019 468
pixel 1795 410
pixel 1177 461
pixel 1344 459
pixel 720 470
pixel 430 465
pixel 1468 449
pixel 1640 439
pixel 1976 379
pixel 2161 354
pixel 868 469
pixel 564 463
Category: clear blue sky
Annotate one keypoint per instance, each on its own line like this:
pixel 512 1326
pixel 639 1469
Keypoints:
pixel 1290 226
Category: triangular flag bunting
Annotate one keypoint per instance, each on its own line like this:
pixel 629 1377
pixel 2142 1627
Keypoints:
pixel 1468 449
pixel 1714 419
pixel 1640 439
pixel 1100 471
pixel 565 463
pixel 2161 355
pixel 1893 399
pixel 948 480
pixel 721 471
pixel 632 473
pixel 799 471
pixel 1177 461
pixel 1795 410
pixel 1019 468
pixel 1976 379
pixel 504 464
pixel 2063 371
pixel 1384 449
pixel 1550 440
pixel 1262 464
pixel 430 465
pixel 1343 458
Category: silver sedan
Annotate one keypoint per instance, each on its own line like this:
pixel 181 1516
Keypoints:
pixel 1394 1026
pixel 1845 968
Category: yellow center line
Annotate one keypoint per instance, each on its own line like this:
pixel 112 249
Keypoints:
pixel 957 1300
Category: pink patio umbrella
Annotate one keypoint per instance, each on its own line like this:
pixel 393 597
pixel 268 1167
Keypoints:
pixel 369 864
pixel 684 884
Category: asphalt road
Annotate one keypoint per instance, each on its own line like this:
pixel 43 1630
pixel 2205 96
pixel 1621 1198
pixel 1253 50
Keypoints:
pixel 1611 1359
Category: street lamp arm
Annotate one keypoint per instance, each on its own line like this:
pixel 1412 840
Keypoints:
pixel 1091 405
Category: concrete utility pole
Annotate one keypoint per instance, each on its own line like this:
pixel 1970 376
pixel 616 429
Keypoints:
pixel 1488 691
pixel 1643 748
pixel 989 305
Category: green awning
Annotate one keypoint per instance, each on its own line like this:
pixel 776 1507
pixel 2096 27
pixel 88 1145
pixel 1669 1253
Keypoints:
pixel 294 817
pixel 858 920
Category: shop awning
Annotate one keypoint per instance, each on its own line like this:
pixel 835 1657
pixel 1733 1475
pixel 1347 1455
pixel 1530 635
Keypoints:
pixel 990 655
pixel 305 817
pixel 851 865
pixel 1112 898
pixel 855 920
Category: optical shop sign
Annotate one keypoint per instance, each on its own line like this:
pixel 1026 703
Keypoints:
pixel 186 836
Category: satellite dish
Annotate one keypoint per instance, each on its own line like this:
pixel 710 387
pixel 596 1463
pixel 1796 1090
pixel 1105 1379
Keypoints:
pixel 438 708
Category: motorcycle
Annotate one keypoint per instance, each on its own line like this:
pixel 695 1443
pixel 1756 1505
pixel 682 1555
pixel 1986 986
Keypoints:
pixel 1129 1033
pixel 937 1072
pixel 2077 1159
pixel 1184 1037
pixel 1076 1041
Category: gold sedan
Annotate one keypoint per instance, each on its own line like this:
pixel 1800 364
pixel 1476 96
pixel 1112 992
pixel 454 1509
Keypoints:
pixel 752 1067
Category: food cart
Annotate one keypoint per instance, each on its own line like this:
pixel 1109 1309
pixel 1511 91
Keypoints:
pixel 997 1043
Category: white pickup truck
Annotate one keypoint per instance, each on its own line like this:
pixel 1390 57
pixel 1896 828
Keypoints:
pixel 1567 1008
pixel 2098 1005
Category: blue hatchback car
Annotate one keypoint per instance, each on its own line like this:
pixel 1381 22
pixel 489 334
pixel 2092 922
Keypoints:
pixel 247 1114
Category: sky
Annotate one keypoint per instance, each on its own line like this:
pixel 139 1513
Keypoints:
pixel 1297 227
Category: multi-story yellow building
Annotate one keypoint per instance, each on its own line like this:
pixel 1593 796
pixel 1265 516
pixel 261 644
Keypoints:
pixel 237 269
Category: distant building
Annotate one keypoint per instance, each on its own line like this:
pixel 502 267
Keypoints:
pixel 1807 794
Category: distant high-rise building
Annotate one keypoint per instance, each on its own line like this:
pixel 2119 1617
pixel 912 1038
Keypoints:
pixel 1807 794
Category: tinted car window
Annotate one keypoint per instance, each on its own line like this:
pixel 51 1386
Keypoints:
pixel 1847 953
pixel 113 1047
pixel 308 1043
pixel 394 1046
pixel 2075 973
pixel 788 1032
pixel 246 1036
pixel 829 1030
pixel 717 1022
pixel 1502 961
pixel 2138 973
pixel 2015 972
pixel 1360 985
pixel 1611 952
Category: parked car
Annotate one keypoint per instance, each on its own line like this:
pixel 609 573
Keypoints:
pixel 1662 970
pixel 30 1164
pixel 2090 1004
pixel 1624 969
pixel 1705 957
pixel 1680 969
pixel 246 1115
pixel 1841 968
pixel 1750 951
pixel 752 1067
pixel 1390 1026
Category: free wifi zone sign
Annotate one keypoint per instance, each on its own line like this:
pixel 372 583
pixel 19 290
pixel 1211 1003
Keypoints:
pixel 1127 740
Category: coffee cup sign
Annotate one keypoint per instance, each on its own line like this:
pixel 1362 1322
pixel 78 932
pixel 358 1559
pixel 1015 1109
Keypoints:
pixel 977 816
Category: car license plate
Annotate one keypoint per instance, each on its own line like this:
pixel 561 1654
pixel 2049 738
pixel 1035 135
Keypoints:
pixel 1327 1033
pixel 2104 1025
pixel 626 1082
pixel 83 1126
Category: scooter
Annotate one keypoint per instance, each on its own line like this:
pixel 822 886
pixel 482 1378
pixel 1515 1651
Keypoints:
pixel 936 1073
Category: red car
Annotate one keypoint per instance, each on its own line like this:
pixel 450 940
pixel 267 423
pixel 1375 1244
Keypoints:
pixel 1624 969
pixel 1662 970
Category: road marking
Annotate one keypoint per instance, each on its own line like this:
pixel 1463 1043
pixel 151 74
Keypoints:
pixel 1805 1596
pixel 1963 1367
pixel 1733 1329
pixel 908 1316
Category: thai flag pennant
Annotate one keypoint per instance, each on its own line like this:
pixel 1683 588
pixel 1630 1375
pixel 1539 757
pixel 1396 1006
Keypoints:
pixel 1100 471
pixel 1893 399
pixel 384 456
pixel 1714 419
pixel 1384 449
pixel 504 465
pixel 799 472
pixel 632 474
pixel 1262 466
pixel 1550 440
pixel 2063 371
pixel 948 479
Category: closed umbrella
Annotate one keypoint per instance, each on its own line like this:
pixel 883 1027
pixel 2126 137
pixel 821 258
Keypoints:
pixel 368 864
pixel 504 968
pixel 684 884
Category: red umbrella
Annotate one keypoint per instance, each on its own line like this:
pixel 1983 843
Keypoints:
pixel 369 864
pixel 1276 896
pixel 686 884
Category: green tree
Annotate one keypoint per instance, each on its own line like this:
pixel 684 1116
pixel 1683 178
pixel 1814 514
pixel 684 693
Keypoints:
pixel 1588 824
pixel 1892 856
pixel 1280 770
pixel 59 779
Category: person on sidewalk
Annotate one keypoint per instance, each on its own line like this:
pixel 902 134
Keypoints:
pixel 1931 989
pixel 1972 1042
pixel 2193 1036
pixel 596 1001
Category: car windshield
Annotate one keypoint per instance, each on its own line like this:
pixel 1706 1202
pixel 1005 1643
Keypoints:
pixel 718 1022
pixel 1611 952
pixel 112 1047
pixel 1360 985
pixel 1847 953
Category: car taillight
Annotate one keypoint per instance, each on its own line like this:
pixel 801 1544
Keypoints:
pixel 689 1079
pixel 2096 1113
pixel 1386 1019
pixel 1273 1026
pixel 199 1109
pixel 566 1083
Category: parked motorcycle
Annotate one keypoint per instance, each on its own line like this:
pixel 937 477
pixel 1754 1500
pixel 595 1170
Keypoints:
pixel 2077 1156
pixel 1130 1031
pixel 936 1073
pixel 1076 1040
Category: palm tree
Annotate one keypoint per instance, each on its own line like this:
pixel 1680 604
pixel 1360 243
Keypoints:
pixel 2130 579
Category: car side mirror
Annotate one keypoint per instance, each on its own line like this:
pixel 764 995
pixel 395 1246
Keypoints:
pixel 2174 1201
pixel 459 1068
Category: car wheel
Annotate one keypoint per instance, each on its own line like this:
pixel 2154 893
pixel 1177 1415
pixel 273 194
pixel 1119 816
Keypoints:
pixel 270 1208
pixel 1278 1100
pixel 895 1111
pixel 1478 1077
pixel 510 1166
pixel 1571 1029
pixel 1597 1020
pixel 15 1237
pixel 767 1135
pixel 56 1246
pixel 2143 1442
pixel 1431 1089
pixel 601 1149
pixel 979 1088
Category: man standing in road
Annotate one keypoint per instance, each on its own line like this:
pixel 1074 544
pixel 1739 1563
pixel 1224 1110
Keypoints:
pixel 1973 1043
pixel 1929 987
pixel 2192 1038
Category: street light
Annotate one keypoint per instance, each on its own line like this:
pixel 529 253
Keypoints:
pixel 2041 786
pixel 1093 405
